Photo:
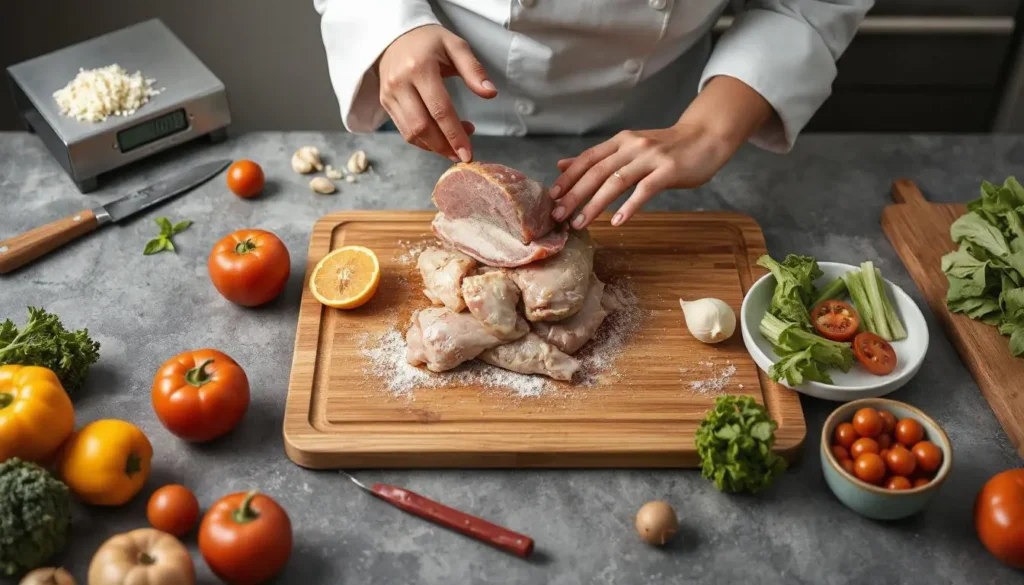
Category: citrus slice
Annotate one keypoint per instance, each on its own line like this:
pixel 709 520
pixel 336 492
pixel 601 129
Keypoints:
pixel 346 278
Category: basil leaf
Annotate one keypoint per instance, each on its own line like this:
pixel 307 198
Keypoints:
pixel 181 226
pixel 165 226
pixel 155 245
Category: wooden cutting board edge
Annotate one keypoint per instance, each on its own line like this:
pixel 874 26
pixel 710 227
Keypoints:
pixel 964 333
pixel 782 403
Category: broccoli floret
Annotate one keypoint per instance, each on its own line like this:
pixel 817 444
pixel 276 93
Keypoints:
pixel 35 511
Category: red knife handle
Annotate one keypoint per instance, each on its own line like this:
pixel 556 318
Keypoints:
pixel 471 526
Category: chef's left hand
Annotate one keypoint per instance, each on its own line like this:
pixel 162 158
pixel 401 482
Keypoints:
pixel 722 117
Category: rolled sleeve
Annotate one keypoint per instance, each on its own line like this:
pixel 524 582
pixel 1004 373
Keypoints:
pixel 354 38
pixel 787 52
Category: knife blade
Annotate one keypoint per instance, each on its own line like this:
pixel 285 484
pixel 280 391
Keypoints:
pixel 22 249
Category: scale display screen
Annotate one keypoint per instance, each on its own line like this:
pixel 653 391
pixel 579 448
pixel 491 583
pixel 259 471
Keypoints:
pixel 152 130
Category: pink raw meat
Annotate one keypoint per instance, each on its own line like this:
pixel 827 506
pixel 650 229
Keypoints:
pixel 497 195
pixel 493 246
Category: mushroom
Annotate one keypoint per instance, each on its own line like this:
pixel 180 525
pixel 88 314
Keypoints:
pixel 656 523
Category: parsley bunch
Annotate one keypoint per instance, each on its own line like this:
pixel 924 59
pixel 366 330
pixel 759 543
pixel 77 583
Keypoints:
pixel 734 442
pixel 44 341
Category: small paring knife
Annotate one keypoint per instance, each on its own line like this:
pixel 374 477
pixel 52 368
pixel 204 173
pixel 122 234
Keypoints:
pixel 20 250
pixel 471 526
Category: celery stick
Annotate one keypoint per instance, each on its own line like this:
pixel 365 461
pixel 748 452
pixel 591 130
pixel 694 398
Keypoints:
pixel 867 273
pixel 860 299
pixel 833 291
pixel 899 333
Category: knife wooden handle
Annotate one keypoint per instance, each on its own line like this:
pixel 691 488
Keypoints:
pixel 20 250
pixel 471 526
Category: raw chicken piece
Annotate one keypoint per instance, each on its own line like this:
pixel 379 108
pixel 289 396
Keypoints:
pixel 442 272
pixel 555 288
pixel 443 339
pixel 498 195
pixel 532 355
pixel 492 298
pixel 569 335
pixel 492 245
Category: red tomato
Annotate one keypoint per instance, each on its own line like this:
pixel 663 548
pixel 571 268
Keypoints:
pixel 249 267
pixel 874 353
pixel 928 455
pixel 999 516
pixel 900 461
pixel 200 395
pixel 884 453
pixel 921 481
pixel 884 441
pixel 840 452
pixel 898 482
pixel 845 435
pixel 909 432
pixel 863 445
pixel 847 465
pixel 867 422
pixel 245 538
pixel 173 509
pixel 870 468
pixel 835 320
pixel 245 178
pixel 889 421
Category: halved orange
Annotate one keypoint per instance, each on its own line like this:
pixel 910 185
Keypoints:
pixel 346 278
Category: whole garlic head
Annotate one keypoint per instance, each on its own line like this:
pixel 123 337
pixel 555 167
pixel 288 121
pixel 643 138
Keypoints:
pixel 306 160
pixel 709 320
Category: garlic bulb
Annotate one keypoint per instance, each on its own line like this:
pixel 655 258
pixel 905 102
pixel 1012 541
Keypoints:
pixel 709 320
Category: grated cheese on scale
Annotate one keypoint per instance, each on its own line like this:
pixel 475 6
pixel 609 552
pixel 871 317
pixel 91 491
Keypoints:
pixel 95 94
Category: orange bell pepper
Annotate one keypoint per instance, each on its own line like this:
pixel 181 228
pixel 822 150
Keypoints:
pixel 106 462
pixel 36 415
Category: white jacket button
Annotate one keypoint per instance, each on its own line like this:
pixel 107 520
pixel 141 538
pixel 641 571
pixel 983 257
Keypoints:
pixel 528 3
pixel 658 4
pixel 524 107
pixel 631 66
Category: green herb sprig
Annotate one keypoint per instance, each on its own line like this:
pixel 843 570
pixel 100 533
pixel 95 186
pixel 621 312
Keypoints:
pixel 734 441
pixel 163 241
pixel 44 341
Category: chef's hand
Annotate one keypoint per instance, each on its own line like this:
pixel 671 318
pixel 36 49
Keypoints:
pixel 722 117
pixel 413 93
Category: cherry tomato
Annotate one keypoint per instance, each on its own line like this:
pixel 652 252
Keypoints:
pixel 884 441
pixel 840 452
pixel 245 538
pixel 863 445
pixel 921 481
pixel 245 178
pixel 900 460
pixel 928 455
pixel 898 482
pixel 845 435
pixel 847 465
pixel 867 422
pixel 869 467
pixel 874 353
pixel 883 454
pixel 889 421
pixel 999 516
pixel 200 395
pixel 173 509
pixel 909 432
pixel 249 267
pixel 835 320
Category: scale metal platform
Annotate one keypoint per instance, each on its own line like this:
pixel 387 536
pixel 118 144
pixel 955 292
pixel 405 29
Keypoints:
pixel 192 103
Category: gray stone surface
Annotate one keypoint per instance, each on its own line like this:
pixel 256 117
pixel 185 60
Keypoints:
pixel 824 199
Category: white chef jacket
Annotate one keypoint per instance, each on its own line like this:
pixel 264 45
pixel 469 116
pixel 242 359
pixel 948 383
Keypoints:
pixel 582 66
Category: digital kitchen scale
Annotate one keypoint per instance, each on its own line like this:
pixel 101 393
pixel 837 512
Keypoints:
pixel 192 102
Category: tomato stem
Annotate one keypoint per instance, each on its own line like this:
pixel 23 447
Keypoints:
pixel 145 559
pixel 6 399
pixel 245 247
pixel 133 465
pixel 197 376
pixel 245 514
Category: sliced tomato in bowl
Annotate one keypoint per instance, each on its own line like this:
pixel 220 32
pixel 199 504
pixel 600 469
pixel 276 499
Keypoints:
pixel 874 353
pixel 835 320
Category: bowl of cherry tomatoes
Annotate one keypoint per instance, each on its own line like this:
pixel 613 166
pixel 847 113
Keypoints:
pixel 884 459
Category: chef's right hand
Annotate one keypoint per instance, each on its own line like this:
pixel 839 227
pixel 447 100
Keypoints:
pixel 413 93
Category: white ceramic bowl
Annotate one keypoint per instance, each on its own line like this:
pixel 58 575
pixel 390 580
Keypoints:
pixel 858 382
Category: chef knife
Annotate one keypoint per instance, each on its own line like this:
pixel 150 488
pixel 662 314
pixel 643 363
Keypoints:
pixel 22 249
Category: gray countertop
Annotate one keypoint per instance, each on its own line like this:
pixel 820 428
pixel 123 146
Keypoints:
pixel 824 199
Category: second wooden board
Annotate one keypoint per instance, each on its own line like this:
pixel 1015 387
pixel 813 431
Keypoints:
pixel 353 401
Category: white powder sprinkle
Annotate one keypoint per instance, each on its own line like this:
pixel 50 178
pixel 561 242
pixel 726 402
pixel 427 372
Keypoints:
pixel 717 380
pixel 410 250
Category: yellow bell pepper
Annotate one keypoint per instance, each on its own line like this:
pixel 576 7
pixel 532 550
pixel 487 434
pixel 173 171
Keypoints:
pixel 36 415
pixel 106 462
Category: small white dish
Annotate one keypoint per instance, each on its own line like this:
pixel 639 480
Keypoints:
pixel 858 382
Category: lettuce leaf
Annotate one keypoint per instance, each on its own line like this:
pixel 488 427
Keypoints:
pixel 734 442
pixel 794 287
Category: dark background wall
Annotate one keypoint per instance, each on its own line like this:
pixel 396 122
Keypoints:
pixel 918 65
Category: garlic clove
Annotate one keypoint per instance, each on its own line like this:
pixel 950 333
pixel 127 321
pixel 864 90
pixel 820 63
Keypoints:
pixel 306 160
pixel 358 163
pixel 322 185
pixel 709 320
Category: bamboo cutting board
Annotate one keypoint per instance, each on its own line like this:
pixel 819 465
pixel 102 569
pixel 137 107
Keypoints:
pixel 919 231
pixel 643 414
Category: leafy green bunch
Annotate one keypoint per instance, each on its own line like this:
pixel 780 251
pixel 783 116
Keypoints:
pixel 734 441
pixel 44 341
